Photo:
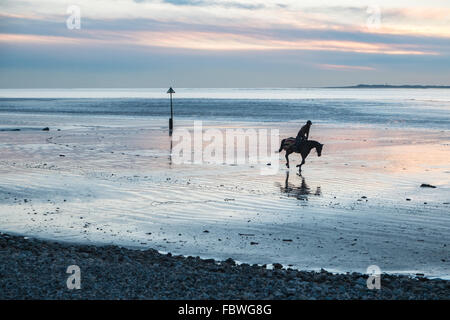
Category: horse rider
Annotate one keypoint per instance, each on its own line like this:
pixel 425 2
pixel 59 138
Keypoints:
pixel 303 134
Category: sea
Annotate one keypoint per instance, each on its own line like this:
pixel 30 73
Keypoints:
pixel 397 108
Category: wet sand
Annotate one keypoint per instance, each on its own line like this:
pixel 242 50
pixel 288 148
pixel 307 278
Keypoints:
pixel 107 180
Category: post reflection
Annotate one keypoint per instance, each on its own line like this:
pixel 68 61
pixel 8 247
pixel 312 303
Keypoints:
pixel 170 152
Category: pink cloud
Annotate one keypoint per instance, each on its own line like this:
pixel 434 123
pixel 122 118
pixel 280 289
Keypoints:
pixel 215 41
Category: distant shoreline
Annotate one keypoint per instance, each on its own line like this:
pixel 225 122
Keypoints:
pixel 388 86
pixel 359 86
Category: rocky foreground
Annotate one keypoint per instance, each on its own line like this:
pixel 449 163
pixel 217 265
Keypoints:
pixel 36 269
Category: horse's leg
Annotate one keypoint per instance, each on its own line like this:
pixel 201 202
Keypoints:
pixel 287 158
pixel 281 145
pixel 300 166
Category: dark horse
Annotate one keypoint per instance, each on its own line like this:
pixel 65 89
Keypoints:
pixel 305 148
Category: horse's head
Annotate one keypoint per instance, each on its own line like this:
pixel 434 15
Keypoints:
pixel 319 149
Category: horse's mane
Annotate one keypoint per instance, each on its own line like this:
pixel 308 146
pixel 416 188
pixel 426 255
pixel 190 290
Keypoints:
pixel 313 143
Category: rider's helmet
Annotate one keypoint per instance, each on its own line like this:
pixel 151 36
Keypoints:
pixel 309 122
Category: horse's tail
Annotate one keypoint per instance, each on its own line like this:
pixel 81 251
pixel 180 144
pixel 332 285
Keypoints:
pixel 281 145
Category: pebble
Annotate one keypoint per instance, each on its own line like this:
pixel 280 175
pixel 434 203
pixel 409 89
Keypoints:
pixel 111 272
pixel 426 185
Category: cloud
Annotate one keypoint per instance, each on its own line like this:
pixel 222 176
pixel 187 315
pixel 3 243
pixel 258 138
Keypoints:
pixel 344 67
pixel 334 36
pixel 209 3
pixel 217 41
pixel 402 17
pixel 218 26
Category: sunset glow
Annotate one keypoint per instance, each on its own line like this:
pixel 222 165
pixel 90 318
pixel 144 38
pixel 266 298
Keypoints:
pixel 345 37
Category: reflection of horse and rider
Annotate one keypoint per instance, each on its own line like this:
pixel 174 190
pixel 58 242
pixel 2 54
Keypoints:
pixel 301 145
pixel 302 192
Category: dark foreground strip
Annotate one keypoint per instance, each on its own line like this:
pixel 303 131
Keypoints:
pixel 32 269
pixel 232 309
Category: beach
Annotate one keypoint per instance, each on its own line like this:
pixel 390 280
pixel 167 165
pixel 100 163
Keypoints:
pixel 34 269
pixel 378 195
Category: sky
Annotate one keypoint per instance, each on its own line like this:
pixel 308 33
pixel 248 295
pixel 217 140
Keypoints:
pixel 222 43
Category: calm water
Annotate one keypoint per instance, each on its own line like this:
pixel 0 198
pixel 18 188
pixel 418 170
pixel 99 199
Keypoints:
pixel 404 108
pixel 116 182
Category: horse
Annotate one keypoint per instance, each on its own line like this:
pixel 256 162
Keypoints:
pixel 305 148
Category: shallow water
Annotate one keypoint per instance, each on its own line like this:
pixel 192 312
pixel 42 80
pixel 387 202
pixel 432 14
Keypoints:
pixel 398 108
pixel 109 178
